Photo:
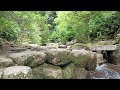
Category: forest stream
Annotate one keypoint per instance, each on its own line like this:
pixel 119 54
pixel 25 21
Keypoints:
pixel 59 45
pixel 106 73
pixel 58 62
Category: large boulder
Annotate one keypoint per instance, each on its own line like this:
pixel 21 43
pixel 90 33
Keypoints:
pixel 59 57
pixel 17 72
pixel 68 71
pixel 28 58
pixel 47 71
pixel 80 73
pixel 84 59
pixel 115 57
pixel 71 71
pixel 5 62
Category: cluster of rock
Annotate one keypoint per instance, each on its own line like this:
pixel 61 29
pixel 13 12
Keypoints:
pixel 49 62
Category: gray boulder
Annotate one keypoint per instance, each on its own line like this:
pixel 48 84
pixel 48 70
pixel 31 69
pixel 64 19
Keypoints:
pixel 68 71
pixel 17 72
pixel 5 62
pixel 58 57
pixel 28 58
pixel 47 71
pixel 84 59
pixel 71 71
pixel 80 73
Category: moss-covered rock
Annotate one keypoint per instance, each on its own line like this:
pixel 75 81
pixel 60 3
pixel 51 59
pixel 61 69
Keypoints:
pixel 80 73
pixel 47 71
pixel 71 71
pixel 81 58
pixel 84 59
pixel 28 58
pixel 5 62
pixel 17 72
pixel 68 71
pixel 59 57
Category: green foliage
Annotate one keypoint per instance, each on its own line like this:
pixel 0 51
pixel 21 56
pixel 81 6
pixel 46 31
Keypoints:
pixel 48 19
pixel 71 25
pixel 85 26
pixel 42 27
pixel 9 29
pixel 100 24
pixel 21 26
pixel 80 60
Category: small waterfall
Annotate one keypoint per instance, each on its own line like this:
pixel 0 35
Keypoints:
pixel 106 73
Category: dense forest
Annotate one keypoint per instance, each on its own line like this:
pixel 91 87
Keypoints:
pixel 42 27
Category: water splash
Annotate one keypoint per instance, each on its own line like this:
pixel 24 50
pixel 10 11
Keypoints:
pixel 106 73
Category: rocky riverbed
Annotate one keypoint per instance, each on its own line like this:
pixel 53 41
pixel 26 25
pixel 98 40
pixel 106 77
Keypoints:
pixel 56 62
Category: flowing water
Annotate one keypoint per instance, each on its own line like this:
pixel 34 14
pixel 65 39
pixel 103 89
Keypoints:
pixel 106 73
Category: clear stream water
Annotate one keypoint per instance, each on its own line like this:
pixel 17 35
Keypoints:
pixel 107 73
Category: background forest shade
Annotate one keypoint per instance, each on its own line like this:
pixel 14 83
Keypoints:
pixel 42 27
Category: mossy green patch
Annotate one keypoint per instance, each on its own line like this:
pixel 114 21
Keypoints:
pixel 68 71
pixel 28 61
pixel 60 58
pixel 47 71
pixel 79 60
